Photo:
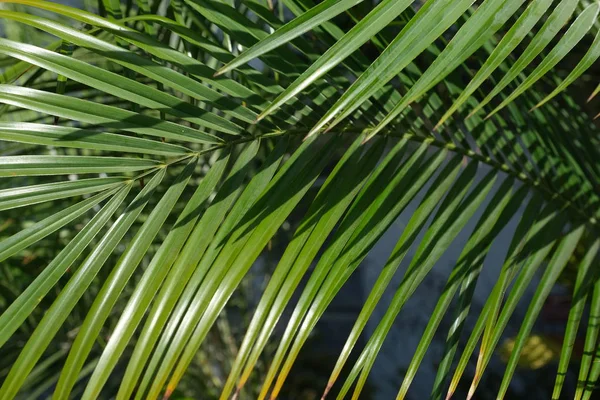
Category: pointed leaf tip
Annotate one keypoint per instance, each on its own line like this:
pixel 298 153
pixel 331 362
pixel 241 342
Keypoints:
pixel 368 137
pixel 259 118
pixel 471 392
pixel 312 132
pixel 326 391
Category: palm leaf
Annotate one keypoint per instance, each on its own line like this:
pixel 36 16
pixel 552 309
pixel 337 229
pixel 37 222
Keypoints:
pixel 154 155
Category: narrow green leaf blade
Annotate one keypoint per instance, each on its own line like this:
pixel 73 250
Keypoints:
pixel 580 292
pixel 18 311
pixel 174 285
pixel 594 93
pixel 543 237
pixel 382 175
pixel 153 47
pixel 99 114
pixel 265 217
pixel 341 186
pixel 209 245
pixel 509 42
pixel 574 34
pixel 114 84
pixel 377 19
pixel 34 194
pixel 317 15
pixel 64 165
pixel 58 312
pixel 453 214
pixel 555 267
pixel 589 346
pixel 39 230
pixel 62 136
pixel 418 219
pixel 485 21
pixel 433 18
pixel 490 309
pixel 466 272
pixel 407 181
pixel 559 17
pixel 150 281
pixel 584 64
pixel 144 66
pixel 113 286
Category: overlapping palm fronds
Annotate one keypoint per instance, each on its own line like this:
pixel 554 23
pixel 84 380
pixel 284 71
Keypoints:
pixel 173 140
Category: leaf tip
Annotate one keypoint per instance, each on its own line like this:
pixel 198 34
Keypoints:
pixel 472 113
pixel 326 391
pixel 329 128
pixel 220 72
pixel 471 392
pixel 310 134
pixel 259 118
pixel 367 138
pixel 168 393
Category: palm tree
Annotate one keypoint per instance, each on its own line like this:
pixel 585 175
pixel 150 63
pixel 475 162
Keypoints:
pixel 152 150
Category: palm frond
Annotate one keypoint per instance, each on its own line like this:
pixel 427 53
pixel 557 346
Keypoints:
pixel 173 143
